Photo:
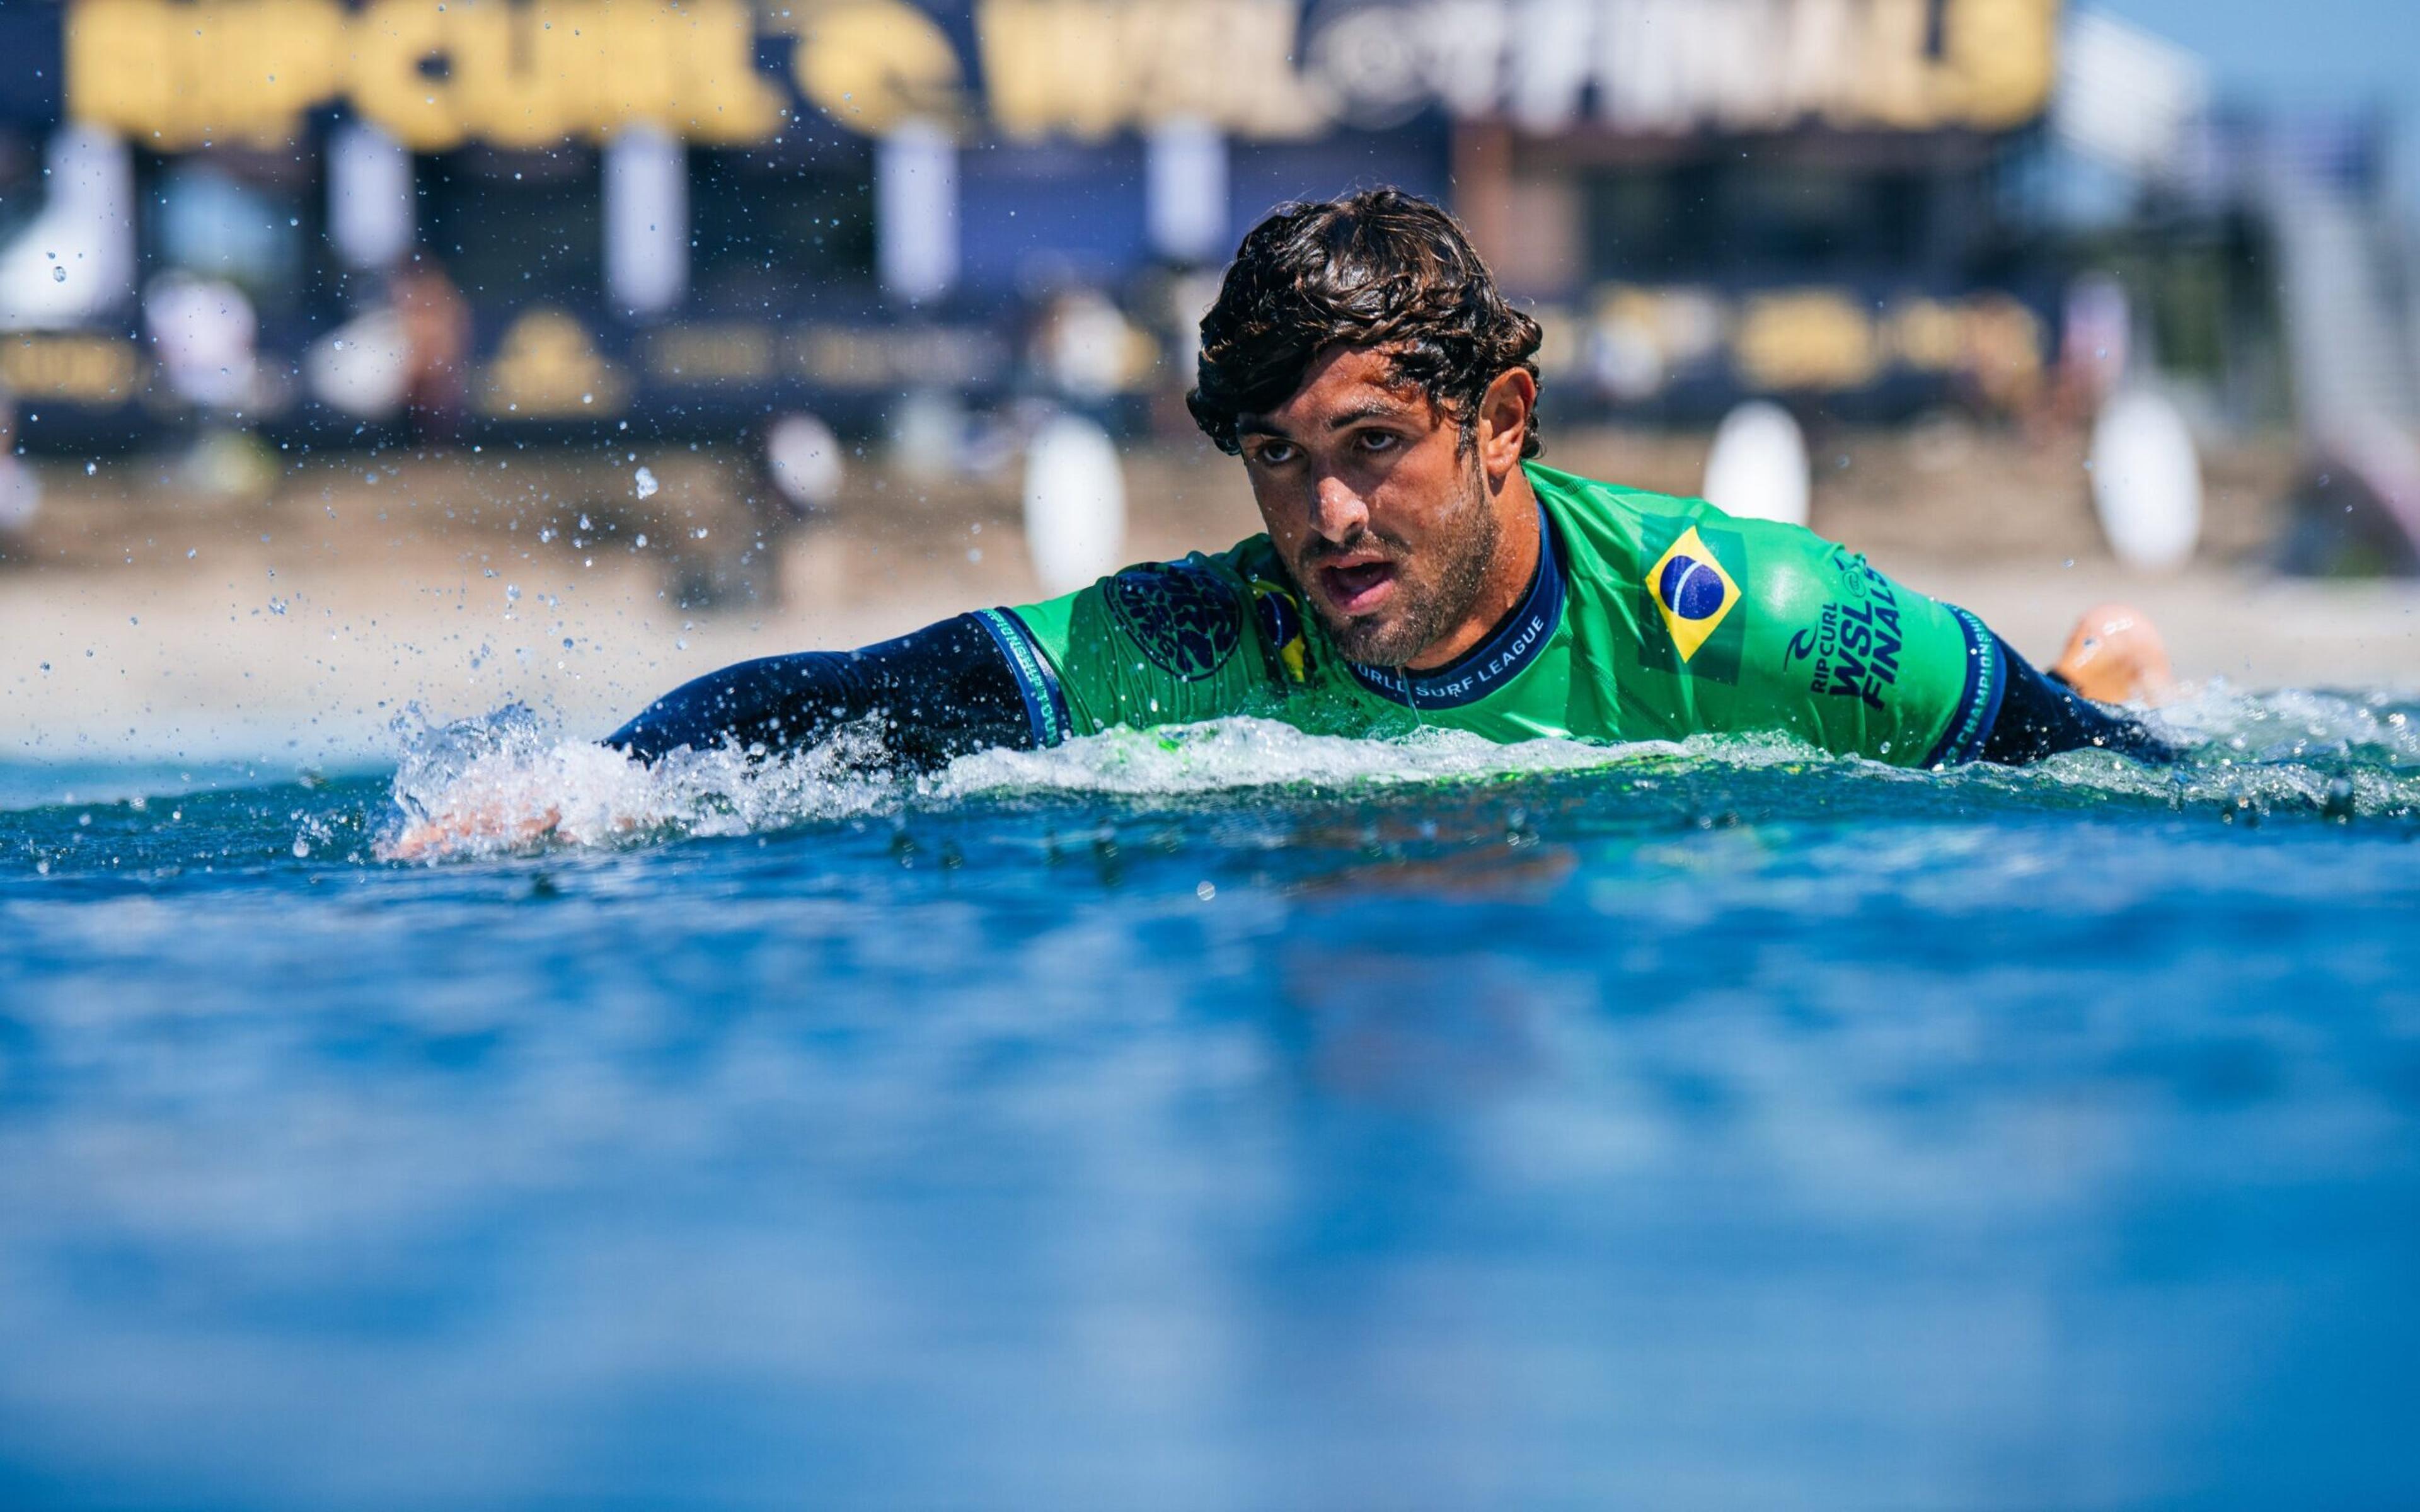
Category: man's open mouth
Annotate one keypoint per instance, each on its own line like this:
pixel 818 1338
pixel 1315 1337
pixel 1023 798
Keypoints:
pixel 1357 588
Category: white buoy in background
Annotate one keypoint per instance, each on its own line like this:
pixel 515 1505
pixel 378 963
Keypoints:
pixel 1074 504
pixel 2147 482
pixel 1757 468
pixel 803 456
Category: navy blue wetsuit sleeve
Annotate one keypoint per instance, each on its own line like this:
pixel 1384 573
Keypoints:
pixel 939 693
pixel 2039 716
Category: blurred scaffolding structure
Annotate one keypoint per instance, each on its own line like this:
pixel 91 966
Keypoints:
pixel 2347 288
pixel 2329 242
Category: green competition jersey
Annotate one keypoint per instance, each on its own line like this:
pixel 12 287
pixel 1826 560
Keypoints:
pixel 1649 618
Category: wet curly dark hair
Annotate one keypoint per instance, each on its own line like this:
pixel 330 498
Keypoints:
pixel 1378 270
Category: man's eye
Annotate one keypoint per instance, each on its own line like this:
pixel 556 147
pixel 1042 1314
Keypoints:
pixel 1377 441
pixel 1277 453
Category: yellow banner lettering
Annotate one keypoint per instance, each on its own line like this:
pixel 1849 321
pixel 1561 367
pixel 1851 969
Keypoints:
pixel 871 64
pixel 1054 66
pixel 2004 56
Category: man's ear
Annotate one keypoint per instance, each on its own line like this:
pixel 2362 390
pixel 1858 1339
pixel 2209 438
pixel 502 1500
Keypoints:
pixel 1504 414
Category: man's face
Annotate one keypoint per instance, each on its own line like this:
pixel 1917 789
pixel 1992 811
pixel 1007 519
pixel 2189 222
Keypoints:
pixel 1375 505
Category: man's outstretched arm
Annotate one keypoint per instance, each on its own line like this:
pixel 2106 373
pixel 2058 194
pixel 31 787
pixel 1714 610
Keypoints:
pixel 2040 716
pixel 937 694
pixel 951 689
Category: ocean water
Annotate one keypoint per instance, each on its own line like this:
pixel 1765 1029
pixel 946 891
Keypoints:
pixel 1220 1118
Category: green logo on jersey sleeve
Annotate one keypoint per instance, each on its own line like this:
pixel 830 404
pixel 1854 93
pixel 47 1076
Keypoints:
pixel 1187 619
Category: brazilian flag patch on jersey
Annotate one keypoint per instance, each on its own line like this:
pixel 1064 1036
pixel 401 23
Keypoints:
pixel 1690 623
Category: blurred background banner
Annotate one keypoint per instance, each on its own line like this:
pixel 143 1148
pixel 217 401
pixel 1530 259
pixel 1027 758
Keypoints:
pixel 236 228
pixel 1711 197
pixel 718 203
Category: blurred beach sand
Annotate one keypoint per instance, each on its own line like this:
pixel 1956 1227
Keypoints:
pixel 142 622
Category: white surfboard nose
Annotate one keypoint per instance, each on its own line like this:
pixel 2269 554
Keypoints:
pixel 1757 468
pixel 803 456
pixel 2147 482
pixel 1074 504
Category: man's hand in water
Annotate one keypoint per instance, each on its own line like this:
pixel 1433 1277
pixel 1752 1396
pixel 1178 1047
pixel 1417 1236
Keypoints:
pixel 458 829
pixel 2115 655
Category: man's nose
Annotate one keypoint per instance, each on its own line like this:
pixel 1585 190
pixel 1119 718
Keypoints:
pixel 1338 511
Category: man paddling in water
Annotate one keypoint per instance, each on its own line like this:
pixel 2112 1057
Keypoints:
pixel 1422 568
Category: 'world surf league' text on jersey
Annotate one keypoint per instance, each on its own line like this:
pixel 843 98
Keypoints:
pixel 1649 617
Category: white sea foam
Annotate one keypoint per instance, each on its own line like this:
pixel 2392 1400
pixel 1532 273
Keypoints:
pixel 2344 754
pixel 2294 723
pixel 506 781
pixel 1226 755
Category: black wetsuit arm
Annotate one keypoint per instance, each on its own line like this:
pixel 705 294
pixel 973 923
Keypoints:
pixel 939 693
pixel 2041 717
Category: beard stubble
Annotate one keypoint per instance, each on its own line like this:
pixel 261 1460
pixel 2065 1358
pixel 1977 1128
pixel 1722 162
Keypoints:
pixel 1434 601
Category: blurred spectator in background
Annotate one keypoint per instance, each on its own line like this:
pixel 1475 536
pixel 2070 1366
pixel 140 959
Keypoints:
pixel 1085 350
pixel 437 348
pixel 202 331
pixel 2094 347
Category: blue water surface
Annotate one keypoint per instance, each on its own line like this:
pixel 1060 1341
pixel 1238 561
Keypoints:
pixel 1698 1129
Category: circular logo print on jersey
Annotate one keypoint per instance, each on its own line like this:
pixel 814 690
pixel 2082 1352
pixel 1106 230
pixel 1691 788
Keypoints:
pixel 1186 619
pixel 1691 588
